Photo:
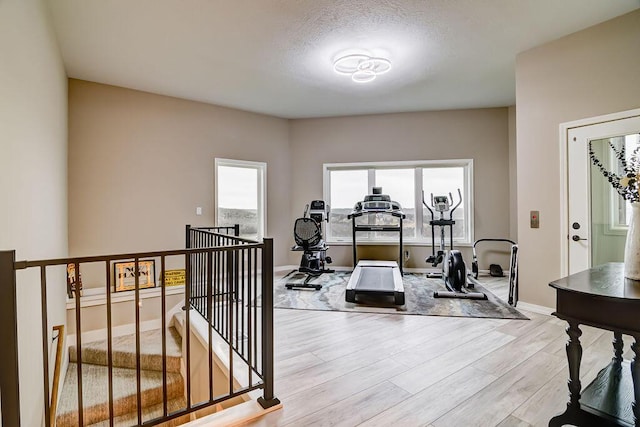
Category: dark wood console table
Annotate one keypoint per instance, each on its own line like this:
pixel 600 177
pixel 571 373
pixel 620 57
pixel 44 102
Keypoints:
pixel 601 297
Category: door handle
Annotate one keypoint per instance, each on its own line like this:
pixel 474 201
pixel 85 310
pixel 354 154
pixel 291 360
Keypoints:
pixel 576 238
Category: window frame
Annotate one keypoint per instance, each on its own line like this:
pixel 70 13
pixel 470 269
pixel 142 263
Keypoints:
pixel 261 168
pixel 616 202
pixel 417 165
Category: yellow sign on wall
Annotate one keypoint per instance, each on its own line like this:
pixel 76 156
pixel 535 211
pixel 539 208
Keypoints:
pixel 174 277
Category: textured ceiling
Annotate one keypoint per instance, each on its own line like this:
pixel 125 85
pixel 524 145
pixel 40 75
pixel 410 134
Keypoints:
pixel 275 56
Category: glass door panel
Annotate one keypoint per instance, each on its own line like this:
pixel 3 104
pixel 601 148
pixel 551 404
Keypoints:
pixel 609 210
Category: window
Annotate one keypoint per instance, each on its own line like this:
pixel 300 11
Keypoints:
pixel 347 183
pixel 442 181
pixel 620 208
pixel 240 196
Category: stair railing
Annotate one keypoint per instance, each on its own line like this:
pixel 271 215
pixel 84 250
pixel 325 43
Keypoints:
pixel 237 273
pixel 230 306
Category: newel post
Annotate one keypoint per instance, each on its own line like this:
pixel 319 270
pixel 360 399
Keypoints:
pixel 9 378
pixel 268 399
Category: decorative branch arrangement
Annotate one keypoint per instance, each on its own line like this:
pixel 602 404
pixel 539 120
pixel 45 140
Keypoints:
pixel 627 184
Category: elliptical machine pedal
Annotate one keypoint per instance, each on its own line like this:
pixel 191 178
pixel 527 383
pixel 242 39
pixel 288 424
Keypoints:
pixel 455 279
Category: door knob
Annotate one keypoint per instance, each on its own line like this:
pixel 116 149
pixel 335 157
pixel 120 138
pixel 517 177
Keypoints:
pixel 576 238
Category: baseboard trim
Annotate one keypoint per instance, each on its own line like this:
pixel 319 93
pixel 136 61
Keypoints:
pixel 283 268
pixel 535 308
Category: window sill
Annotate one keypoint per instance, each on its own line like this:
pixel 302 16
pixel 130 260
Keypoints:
pixel 96 296
pixel 616 230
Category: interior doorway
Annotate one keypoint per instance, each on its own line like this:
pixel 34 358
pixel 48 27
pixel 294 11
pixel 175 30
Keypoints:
pixel 595 216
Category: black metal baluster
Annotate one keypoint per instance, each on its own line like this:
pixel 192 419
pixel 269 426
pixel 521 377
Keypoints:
pixel 137 310
pixel 163 308
pixel 45 342
pixel 109 340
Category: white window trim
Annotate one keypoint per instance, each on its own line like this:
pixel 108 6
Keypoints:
pixel 613 228
pixel 261 167
pixel 467 194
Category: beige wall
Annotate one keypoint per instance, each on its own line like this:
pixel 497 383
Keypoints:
pixel 513 176
pixel 481 135
pixel 589 73
pixel 33 176
pixel 140 164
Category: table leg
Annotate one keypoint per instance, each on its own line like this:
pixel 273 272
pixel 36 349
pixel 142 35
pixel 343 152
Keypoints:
pixel 618 346
pixel 635 376
pixel 572 415
pixel 574 356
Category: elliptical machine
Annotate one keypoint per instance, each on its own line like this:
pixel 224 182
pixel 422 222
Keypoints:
pixel 454 272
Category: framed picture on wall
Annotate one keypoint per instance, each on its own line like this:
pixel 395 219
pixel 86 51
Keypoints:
pixel 124 275
pixel 175 277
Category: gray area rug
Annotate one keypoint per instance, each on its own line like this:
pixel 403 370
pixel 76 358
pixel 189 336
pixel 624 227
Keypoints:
pixel 418 296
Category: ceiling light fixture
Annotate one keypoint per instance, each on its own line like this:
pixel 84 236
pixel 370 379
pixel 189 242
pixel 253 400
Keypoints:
pixel 362 68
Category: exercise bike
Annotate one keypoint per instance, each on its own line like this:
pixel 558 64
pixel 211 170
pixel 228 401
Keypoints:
pixel 454 272
pixel 307 234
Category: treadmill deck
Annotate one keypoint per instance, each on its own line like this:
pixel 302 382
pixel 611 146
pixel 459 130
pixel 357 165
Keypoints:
pixel 376 277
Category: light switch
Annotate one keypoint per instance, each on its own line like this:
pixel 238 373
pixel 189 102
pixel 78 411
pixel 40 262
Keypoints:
pixel 535 219
pixel 198 210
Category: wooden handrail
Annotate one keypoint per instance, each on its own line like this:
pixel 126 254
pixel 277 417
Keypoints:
pixel 56 375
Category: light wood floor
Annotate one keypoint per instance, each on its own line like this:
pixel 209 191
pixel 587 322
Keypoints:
pixel 349 369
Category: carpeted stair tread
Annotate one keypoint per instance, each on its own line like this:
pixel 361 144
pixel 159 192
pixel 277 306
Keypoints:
pixel 96 392
pixel 150 413
pixel 124 351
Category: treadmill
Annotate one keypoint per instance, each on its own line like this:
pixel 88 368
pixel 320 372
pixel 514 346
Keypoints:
pixel 376 277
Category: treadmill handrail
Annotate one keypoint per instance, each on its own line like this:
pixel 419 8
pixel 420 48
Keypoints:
pixel 388 228
pixel 396 213
pixel 377 228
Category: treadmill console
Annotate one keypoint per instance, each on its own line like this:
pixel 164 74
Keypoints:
pixel 377 198
pixel 377 202
pixel 374 206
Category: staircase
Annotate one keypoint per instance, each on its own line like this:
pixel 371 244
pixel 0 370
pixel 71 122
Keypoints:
pixel 95 381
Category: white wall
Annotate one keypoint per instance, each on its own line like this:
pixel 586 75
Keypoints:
pixel 589 73
pixel 33 175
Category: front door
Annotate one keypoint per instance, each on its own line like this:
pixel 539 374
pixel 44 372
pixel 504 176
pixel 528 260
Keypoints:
pixel 597 215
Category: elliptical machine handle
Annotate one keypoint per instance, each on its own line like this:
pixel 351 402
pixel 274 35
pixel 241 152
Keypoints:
pixel 425 203
pixel 457 204
pixel 306 211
